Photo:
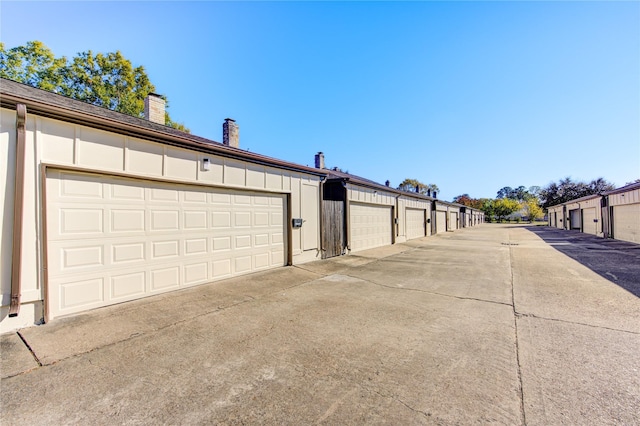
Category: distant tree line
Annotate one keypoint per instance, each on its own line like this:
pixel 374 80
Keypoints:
pixel 532 202
pixel 108 80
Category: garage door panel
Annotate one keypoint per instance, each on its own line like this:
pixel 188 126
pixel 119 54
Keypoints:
pixel 626 225
pixel 441 221
pixel 415 219
pixel 589 226
pixel 370 226
pixel 101 251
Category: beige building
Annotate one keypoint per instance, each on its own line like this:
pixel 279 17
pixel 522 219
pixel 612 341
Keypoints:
pixel 614 214
pixel 102 208
pixel 623 208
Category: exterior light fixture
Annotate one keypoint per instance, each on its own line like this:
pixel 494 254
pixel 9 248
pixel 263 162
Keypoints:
pixel 206 164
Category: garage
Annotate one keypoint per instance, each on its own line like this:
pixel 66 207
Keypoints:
pixel 370 225
pixel 574 219
pixel 416 221
pixel 626 223
pixel 441 221
pixel 589 221
pixel 112 239
pixel 453 220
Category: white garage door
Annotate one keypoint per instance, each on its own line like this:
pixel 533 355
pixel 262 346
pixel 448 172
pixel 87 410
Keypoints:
pixel 453 223
pixel 113 239
pixel 441 222
pixel 574 219
pixel 415 223
pixel 588 224
pixel 626 222
pixel 370 226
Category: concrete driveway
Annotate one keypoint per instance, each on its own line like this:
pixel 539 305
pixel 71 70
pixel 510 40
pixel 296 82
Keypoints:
pixel 492 324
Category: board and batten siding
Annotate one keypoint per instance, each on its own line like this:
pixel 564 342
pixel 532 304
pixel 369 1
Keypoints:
pixel 57 144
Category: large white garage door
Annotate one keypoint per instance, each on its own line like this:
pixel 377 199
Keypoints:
pixel 626 222
pixel 370 226
pixel 113 239
pixel 588 224
pixel 415 223
pixel 441 222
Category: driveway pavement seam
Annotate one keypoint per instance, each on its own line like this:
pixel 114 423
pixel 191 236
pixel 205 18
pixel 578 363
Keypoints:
pixel 517 342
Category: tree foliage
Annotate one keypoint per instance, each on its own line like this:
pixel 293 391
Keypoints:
pixel 410 185
pixel 108 80
pixel 503 207
pixel 566 190
pixel 520 193
pixel 533 209
pixel 466 200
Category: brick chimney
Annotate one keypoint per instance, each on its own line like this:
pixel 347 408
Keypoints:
pixel 319 160
pixel 230 133
pixel 387 183
pixel 154 108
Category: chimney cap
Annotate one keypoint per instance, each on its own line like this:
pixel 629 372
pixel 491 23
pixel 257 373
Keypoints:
pixel 229 119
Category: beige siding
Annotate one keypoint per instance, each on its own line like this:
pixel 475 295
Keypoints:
pixel 59 144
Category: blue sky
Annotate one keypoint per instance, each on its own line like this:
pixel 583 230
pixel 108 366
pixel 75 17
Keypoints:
pixel 471 96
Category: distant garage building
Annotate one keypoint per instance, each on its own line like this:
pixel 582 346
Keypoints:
pixel 359 214
pixel 613 214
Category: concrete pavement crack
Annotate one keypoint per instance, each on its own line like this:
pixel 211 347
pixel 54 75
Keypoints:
pixel 431 292
pixel 135 335
pixel 398 400
pixel 33 354
pixel 523 315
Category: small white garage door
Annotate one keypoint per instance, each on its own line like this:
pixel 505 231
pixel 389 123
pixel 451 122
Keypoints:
pixel 441 221
pixel 588 224
pixel 370 226
pixel 453 220
pixel 626 225
pixel 113 239
pixel 415 223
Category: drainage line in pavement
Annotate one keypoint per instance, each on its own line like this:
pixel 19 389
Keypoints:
pixel 33 354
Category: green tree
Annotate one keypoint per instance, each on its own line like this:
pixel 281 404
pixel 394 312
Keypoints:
pixel 33 64
pixel 108 80
pixel 503 207
pixel 566 190
pixel 410 185
pixel 534 211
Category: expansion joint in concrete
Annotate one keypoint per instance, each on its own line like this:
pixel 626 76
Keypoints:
pixel 517 342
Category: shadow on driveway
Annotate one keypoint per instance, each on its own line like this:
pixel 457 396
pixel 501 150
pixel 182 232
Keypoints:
pixel 617 261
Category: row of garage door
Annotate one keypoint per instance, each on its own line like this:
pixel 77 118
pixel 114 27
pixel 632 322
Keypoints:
pixel 113 239
pixel 624 219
